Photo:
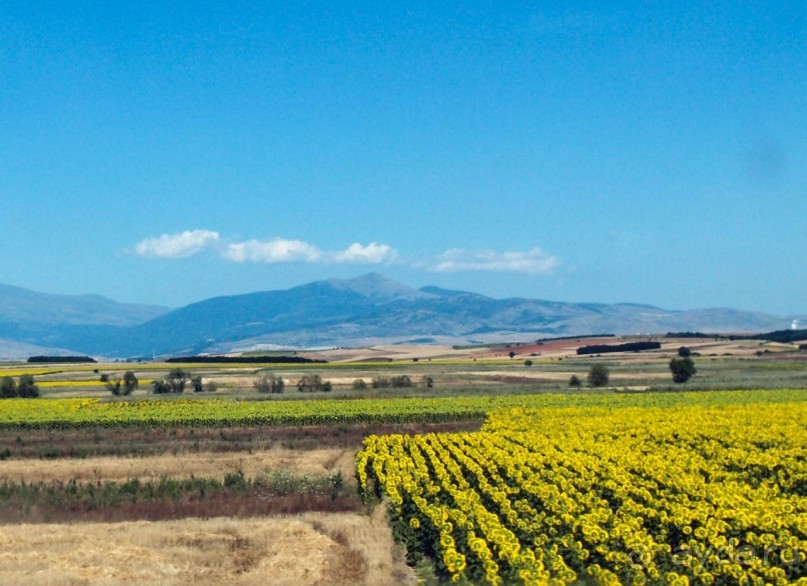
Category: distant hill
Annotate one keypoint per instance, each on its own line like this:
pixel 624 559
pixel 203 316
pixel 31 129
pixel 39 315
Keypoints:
pixel 32 322
pixel 367 309
pixel 25 307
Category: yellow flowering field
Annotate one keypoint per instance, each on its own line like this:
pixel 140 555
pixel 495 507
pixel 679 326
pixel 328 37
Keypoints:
pixel 60 413
pixel 695 494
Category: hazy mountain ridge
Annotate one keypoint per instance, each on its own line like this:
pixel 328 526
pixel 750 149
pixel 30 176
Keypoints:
pixel 349 312
pixel 25 308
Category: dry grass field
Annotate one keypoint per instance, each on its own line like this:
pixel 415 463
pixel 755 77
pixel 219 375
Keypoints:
pixel 315 462
pixel 332 548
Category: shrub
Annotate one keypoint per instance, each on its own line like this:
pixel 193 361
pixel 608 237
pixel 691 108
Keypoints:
pixel 113 384
pixel 262 385
pixel 27 388
pixel 380 382
pixel 161 387
pixel 683 352
pixel 270 384
pixel 682 369
pixel 575 381
pixel 401 381
pixel 310 382
pixel 130 382
pixel 176 379
pixel 8 388
pixel 359 384
pixel 598 375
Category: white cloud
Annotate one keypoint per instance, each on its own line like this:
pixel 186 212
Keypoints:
pixel 534 261
pixel 272 251
pixel 182 245
pixel 281 250
pixel 373 253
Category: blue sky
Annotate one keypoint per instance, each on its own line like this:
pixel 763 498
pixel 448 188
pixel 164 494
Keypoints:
pixel 645 152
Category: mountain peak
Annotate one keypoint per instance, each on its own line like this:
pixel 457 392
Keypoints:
pixel 376 286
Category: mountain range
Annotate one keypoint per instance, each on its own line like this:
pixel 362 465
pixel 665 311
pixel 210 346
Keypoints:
pixel 365 310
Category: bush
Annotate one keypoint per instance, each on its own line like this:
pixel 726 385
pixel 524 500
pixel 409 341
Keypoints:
pixel 575 381
pixel 176 379
pixel 263 385
pixel 598 375
pixel 161 387
pixel 113 384
pixel 130 382
pixel 8 388
pixel 683 352
pixel 401 381
pixel 359 384
pixel 528 362
pixel 428 381
pixel 380 382
pixel 27 388
pixel 270 384
pixel 682 369
pixel 196 384
pixel 310 382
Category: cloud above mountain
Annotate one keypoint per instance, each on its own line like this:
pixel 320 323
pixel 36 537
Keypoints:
pixel 534 261
pixel 281 250
pixel 183 245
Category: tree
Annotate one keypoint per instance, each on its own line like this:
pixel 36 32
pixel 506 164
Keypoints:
pixel 512 354
pixel 161 387
pixel 401 381
pixel 380 382
pixel 8 388
pixel 528 362
pixel 113 385
pixel 359 384
pixel 575 381
pixel 27 388
pixel 196 383
pixel 309 382
pixel 130 382
pixel 269 384
pixel 278 384
pixel 428 381
pixel 684 352
pixel 176 379
pixel 598 375
pixel 682 369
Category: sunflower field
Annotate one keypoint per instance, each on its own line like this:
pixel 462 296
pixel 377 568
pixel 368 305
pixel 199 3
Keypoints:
pixel 690 494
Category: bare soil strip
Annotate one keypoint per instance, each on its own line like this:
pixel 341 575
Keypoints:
pixel 139 442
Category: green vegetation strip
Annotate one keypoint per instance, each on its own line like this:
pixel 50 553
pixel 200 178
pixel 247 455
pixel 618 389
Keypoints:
pixel 66 413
